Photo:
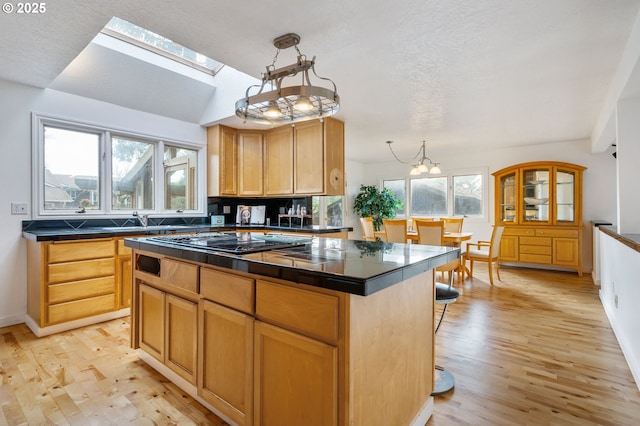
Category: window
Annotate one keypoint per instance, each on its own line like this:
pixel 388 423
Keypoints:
pixel 398 188
pixel 328 210
pixel 141 37
pixel 429 196
pixel 91 170
pixel 456 194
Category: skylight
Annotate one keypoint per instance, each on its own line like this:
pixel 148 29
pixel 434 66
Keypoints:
pixel 131 33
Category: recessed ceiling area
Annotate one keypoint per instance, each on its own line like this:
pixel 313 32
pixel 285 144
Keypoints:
pixel 461 75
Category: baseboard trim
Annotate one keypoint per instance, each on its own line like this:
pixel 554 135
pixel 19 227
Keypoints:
pixel 70 325
pixel 622 341
pixel 425 413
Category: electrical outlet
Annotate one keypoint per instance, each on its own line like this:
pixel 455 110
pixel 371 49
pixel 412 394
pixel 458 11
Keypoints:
pixel 18 208
pixel 226 209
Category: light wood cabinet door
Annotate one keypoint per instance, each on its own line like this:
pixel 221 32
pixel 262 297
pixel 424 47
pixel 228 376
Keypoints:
pixel 565 252
pixel 222 161
pixel 151 312
pixel 278 161
pixel 295 379
pixel 309 161
pixel 225 378
pixel 124 280
pixel 509 248
pixel 181 337
pixel 250 163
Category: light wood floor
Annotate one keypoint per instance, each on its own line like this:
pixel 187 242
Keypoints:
pixel 535 349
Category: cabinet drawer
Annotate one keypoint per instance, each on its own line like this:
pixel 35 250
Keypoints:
pixel 179 274
pixel 68 251
pixel 227 289
pixel 535 241
pixel 535 249
pixel 76 290
pixel 535 258
pixel 519 231
pixel 569 233
pixel 68 311
pixel 76 271
pixel 313 314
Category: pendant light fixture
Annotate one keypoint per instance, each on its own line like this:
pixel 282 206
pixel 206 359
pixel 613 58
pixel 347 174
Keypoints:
pixel 421 166
pixel 275 102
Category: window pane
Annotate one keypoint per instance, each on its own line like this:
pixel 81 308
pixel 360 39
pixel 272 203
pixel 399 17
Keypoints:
pixel 71 169
pixel 398 188
pixel 334 206
pixel 180 176
pixel 467 195
pixel 131 174
pixel 429 196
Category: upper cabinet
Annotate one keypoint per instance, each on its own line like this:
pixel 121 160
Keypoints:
pixel 305 159
pixel 539 193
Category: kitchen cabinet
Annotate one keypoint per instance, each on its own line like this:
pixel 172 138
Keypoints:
pixel 278 161
pixel 319 157
pixel 296 361
pixel 250 164
pixel 305 159
pixel 123 274
pixel 225 345
pixel 165 309
pixel 222 161
pixel 272 351
pixel 69 281
pixel 540 204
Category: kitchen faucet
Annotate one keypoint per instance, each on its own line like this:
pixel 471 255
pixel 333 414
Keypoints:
pixel 144 219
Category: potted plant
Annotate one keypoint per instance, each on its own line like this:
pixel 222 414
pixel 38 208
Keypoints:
pixel 375 203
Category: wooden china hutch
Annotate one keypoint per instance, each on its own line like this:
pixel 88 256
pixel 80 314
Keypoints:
pixel 540 203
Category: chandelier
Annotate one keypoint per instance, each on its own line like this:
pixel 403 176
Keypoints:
pixel 277 103
pixel 419 167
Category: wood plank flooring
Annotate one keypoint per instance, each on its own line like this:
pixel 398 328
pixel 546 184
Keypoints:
pixel 535 349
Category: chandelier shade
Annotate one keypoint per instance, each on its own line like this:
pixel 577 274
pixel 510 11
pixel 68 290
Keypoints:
pixel 276 102
pixel 419 167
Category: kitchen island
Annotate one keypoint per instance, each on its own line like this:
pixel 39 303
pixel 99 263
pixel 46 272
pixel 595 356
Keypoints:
pixel 324 331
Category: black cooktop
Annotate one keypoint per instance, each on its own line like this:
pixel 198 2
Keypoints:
pixel 239 243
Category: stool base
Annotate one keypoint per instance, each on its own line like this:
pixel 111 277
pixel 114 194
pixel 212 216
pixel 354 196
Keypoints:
pixel 443 381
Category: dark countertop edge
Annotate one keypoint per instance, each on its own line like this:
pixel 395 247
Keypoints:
pixel 352 285
pixel 87 233
pixel 629 240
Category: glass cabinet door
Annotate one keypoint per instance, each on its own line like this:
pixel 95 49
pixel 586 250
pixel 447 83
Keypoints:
pixel 508 199
pixel 565 196
pixel 535 195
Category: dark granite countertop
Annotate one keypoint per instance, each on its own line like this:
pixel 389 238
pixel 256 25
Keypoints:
pixel 630 240
pixel 62 231
pixel 357 267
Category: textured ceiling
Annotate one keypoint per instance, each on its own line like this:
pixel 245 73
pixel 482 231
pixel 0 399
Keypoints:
pixel 462 74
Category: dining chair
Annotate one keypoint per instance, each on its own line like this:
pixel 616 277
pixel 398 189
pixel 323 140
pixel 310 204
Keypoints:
pixel 395 230
pixel 413 221
pixel 486 251
pixel 452 224
pixel 367 229
pixel 431 232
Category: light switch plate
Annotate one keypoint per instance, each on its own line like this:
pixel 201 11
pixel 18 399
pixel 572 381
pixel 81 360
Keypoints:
pixel 18 208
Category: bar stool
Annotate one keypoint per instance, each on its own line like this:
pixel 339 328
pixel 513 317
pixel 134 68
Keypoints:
pixel 445 294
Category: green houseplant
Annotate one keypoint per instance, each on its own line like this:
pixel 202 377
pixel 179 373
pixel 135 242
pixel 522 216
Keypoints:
pixel 370 201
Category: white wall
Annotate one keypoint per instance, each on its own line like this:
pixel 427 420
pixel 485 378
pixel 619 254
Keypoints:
pixel 620 293
pixel 599 181
pixel 17 102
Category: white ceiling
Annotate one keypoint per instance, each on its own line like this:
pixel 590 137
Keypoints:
pixel 462 74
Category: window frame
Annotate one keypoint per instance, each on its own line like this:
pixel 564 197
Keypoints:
pixel 449 174
pixel 39 121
